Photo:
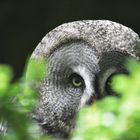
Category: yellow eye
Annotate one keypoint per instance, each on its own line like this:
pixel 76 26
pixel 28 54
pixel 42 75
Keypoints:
pixel 76 82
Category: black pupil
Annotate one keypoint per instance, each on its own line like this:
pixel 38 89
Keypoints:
pixel 77 80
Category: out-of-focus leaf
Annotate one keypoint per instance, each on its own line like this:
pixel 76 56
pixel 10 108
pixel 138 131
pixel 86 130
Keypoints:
pixel 36 70
pixel 5 77
pixel 114 118
pixel 28 99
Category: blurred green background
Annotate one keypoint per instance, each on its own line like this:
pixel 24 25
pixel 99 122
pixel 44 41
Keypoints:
pixel 24 23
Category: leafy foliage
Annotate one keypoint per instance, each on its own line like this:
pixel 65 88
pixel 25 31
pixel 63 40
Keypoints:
pixel 108 119
pixel 17 101
pixel 114 118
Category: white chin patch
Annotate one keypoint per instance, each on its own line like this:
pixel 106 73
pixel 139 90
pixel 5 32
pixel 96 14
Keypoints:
pixel 88 92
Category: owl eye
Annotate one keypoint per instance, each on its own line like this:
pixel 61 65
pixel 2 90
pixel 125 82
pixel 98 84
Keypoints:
pixel 108 86
pixel 76 80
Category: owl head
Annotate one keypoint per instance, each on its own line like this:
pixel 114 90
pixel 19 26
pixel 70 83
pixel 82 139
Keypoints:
pixel 82 58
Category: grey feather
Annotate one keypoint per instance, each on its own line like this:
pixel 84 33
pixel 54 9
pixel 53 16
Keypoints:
pixel 103 35
pixel 94 50
pixel 88 51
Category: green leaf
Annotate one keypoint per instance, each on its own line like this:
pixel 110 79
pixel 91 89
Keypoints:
pixel 36 70
pixel 5 77
pixel 114 117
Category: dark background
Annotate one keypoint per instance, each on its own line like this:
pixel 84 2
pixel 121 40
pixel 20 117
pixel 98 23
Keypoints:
pixel 24 23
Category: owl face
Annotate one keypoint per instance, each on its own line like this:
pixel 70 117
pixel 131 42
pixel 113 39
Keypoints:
pixel 83 57
pixel 68 86
pixel 77 75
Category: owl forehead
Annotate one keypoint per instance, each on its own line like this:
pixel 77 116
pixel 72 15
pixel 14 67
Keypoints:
pixel 72 55
pixel 104 35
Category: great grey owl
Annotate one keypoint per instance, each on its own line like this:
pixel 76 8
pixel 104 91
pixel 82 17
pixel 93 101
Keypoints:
pixel 82 57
